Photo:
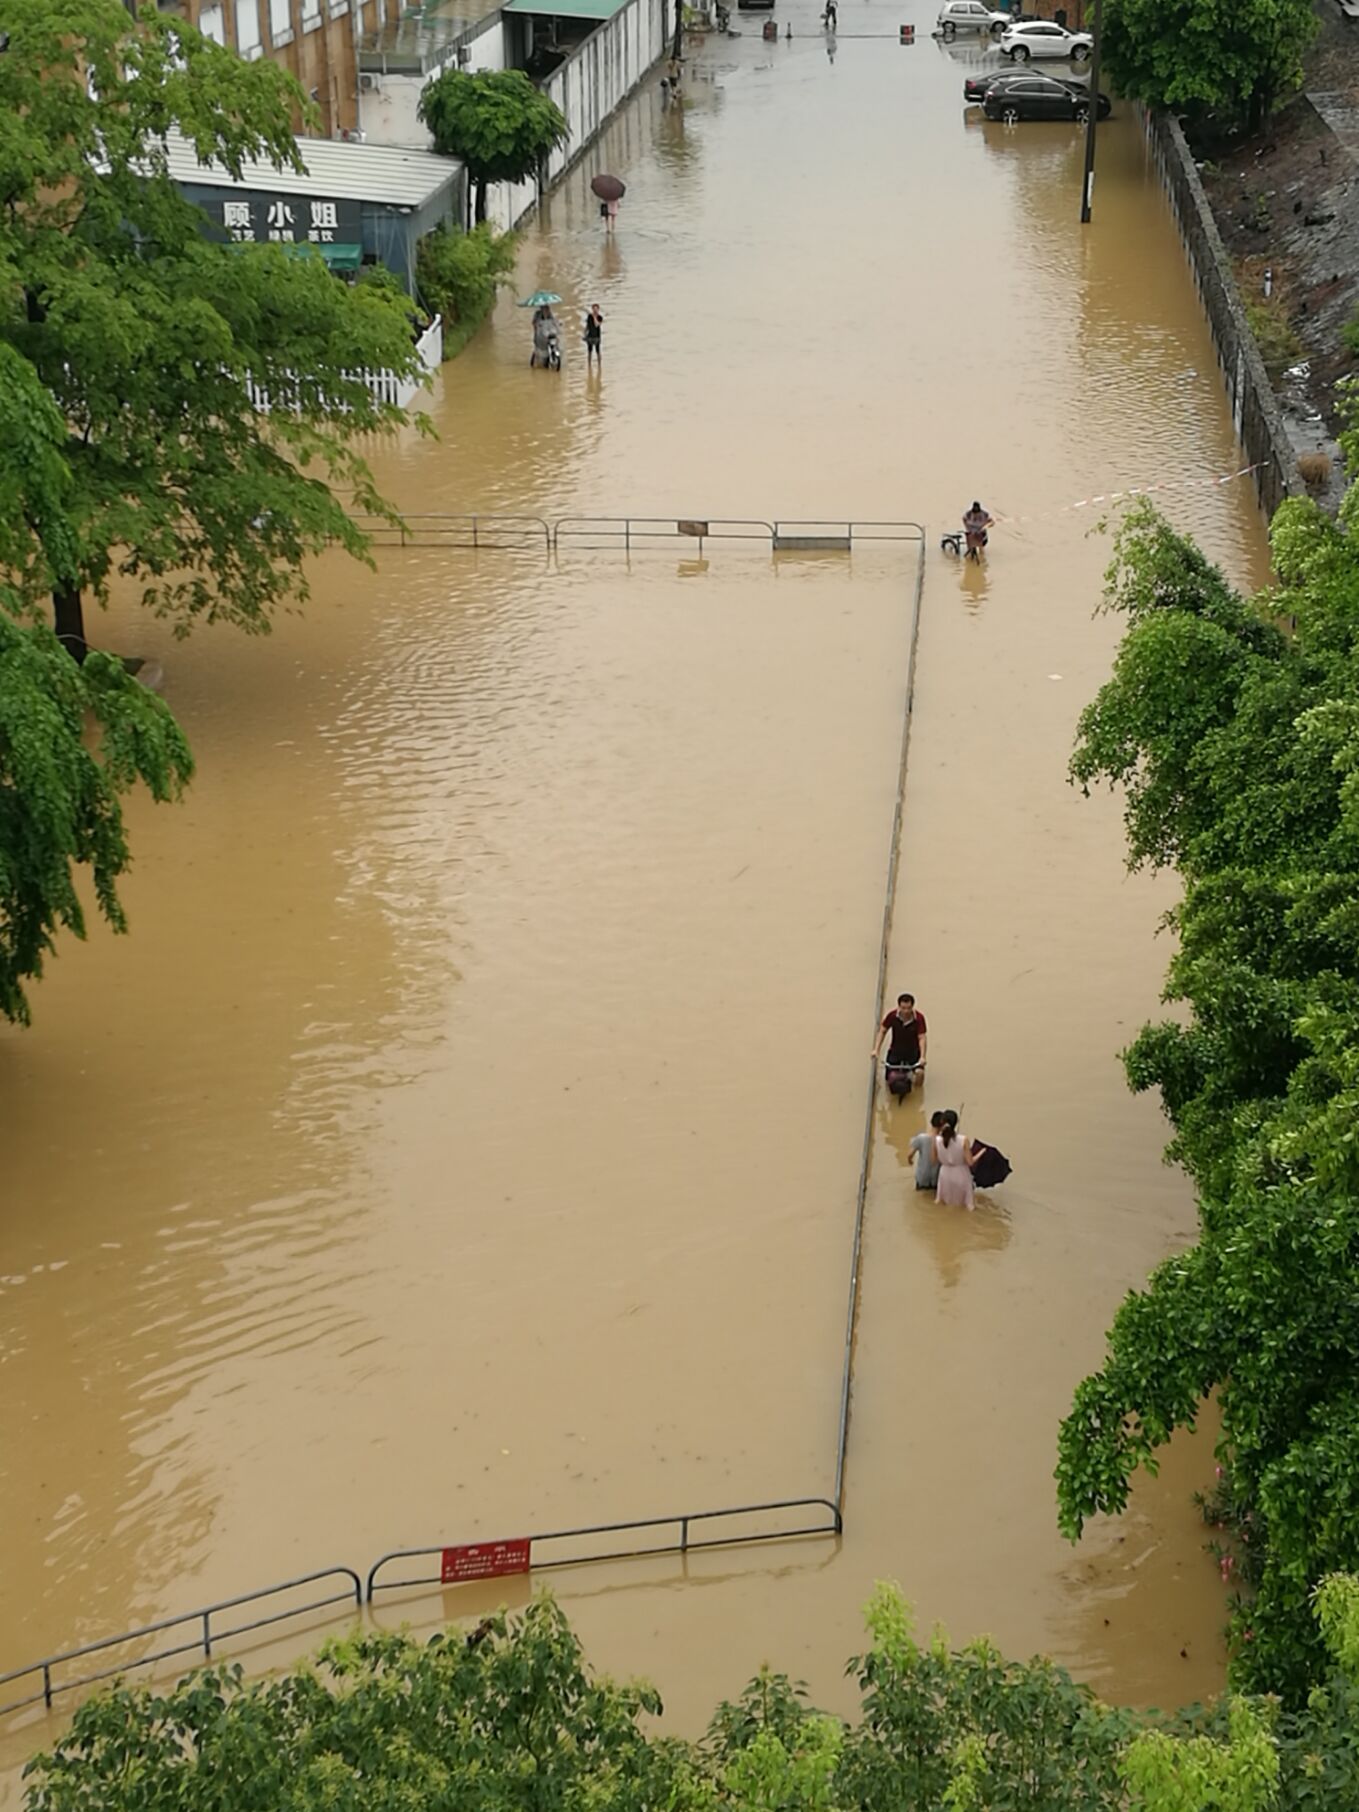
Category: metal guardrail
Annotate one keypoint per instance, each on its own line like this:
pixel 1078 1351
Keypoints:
pixel 434 530
pixel 479 531
pixel 202 1641
pixel 685 1544
pixel 458 532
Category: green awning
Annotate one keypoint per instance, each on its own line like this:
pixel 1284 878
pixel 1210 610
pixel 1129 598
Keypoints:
pixel 566 9
pixel 338 257
pixel 342 257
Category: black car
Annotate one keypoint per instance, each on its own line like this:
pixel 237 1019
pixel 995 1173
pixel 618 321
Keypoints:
pixel 976 87
pixel 1040 97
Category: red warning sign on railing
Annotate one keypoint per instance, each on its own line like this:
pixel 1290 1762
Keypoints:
pixel 908 34
pixel 484 1560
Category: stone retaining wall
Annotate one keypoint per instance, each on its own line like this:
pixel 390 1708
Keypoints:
pixel 1255 411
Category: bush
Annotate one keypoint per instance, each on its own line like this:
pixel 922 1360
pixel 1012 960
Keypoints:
pixel 1314 469
pixel 511 1719
pixel 1279 346
pixel 458 275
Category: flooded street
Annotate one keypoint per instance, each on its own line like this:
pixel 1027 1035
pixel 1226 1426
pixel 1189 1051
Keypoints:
pixel 465 1139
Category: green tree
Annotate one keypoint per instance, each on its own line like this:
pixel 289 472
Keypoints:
pixel 1234 62
pixel 1237 747
pixel 498 122
pixel 143 334
pixel 510 1719
pixel 59 796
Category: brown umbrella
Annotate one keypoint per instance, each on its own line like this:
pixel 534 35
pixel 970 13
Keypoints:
pixel 609 188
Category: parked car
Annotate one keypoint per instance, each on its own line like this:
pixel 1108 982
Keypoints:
pixel 970 15
pixel 976 88
pixel 1040 97
pixel 1041 38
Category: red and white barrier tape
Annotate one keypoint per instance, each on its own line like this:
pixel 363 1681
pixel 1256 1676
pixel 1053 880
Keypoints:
pixel 1141 490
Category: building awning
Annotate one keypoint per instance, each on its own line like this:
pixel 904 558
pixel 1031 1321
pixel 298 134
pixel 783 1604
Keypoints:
pixel 566 9
pixel 342 257
pixel 390 175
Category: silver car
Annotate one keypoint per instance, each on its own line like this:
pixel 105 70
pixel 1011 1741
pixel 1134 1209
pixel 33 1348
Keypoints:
pixel 970 15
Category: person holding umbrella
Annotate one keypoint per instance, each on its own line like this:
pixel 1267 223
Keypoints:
pixel 546 333
pixel 610 190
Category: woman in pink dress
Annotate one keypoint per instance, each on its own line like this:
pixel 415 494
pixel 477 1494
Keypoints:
pixel 955 1165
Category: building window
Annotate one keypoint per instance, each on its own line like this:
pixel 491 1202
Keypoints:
pixel 211 22
pixel 311 14
pixel 247 26
pixel 280 20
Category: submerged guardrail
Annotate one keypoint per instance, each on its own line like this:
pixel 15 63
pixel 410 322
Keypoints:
pixel 489 1559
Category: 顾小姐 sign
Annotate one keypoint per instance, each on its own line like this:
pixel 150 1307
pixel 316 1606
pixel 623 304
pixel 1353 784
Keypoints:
pixel 252 218
pixel 484 1560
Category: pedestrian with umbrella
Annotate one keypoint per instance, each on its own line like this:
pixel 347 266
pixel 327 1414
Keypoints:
pixel 610 190
pixel 547 342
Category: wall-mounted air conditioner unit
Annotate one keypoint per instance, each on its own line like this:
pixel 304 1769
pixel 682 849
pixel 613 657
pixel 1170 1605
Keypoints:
pixel 464 55
pixel 369 83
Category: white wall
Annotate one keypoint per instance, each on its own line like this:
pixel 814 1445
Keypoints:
pixel 588 87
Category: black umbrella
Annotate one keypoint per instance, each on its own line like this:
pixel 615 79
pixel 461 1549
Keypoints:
pixel 609 188
pixel 991 1167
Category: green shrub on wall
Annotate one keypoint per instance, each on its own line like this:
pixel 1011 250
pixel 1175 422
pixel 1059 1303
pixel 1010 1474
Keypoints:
pixel 458 275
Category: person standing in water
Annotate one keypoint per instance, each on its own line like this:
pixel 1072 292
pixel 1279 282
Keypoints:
pixel 926 1160
pixel 594 334
pixel 954 1152
pixel 976 521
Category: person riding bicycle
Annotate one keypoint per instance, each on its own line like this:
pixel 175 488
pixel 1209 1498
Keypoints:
pixel 908 1034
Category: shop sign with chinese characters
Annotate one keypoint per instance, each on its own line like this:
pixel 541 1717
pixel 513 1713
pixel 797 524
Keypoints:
pixel 286 219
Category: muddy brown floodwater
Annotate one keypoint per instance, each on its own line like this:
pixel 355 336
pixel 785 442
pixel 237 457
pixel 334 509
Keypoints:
pixel 465 1139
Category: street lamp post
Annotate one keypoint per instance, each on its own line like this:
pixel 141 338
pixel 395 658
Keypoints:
pixel 1088 180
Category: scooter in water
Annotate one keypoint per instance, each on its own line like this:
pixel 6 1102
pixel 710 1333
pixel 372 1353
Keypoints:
pixel 900 1078
pixel 547 347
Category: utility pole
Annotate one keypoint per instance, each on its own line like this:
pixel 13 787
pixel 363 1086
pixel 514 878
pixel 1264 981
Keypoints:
pixel 1088 181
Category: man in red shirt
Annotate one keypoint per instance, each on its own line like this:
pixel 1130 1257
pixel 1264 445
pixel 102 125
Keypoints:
pixel 908 1033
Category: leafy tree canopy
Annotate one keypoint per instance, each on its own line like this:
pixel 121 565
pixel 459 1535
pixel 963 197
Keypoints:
pixel 510 1719
pixel 59 795
pixel 498 122
pixel 1237 749
pixel 138 334
pixel 1234 61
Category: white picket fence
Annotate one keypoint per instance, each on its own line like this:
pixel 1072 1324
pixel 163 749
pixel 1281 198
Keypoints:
pixel 386 386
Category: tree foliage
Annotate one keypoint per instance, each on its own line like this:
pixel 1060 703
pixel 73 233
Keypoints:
pixel 510 1719
pixel 459 274
pixel 138 334
pixel 1235 62
pixel 498 122
pixel 1237 749
pixel 59 796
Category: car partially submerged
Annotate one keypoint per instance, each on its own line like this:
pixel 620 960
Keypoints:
pixel 1040 97
pixel 977 87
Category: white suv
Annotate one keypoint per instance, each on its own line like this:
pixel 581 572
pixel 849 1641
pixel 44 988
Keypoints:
pixel 1040 38
pixel 970 15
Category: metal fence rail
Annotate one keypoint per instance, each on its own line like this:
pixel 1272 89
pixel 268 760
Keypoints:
pixel 587 533
pixel 47 1687
pixel 718 1528
pixel 458 532
pixel 685 1543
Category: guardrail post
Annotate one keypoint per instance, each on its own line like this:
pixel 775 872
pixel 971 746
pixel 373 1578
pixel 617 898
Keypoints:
pixel 47 1684
pixel 475 542
pixel 207 1635
pixel 684 1535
